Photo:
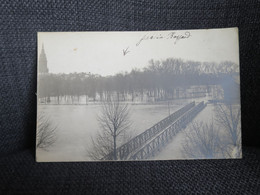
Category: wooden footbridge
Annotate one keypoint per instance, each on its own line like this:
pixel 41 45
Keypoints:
pixel 150 141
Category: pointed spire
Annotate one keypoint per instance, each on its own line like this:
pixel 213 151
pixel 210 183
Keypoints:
pixel 43 68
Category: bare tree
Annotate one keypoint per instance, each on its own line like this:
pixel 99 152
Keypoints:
pixel 201 141
pixel 46 132
pixel 220 140
pixel 228 116
pixel 114 122
pixel 102 145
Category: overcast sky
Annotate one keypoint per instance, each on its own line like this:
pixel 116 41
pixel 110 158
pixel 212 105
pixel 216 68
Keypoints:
pixel 102 52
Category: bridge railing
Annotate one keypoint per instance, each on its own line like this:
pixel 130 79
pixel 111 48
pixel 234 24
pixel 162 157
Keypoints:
pixel 126 149
pixel 163 138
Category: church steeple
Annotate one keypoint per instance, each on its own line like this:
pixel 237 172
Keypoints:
pixel 43 68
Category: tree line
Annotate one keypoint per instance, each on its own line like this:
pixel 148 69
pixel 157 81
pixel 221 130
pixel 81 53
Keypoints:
pixel 161 79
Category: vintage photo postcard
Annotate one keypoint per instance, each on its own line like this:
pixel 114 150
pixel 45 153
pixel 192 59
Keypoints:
pixel 147 95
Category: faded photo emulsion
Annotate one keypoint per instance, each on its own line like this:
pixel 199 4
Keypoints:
pixel 146 95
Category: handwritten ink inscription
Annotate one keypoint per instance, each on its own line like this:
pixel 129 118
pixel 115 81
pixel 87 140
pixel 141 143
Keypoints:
pixel 172 36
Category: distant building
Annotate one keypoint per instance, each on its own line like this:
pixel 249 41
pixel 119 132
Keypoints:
pixel 43 68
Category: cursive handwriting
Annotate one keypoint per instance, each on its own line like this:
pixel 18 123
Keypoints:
pixel 175 36
pixel 147 37
pixel 172 35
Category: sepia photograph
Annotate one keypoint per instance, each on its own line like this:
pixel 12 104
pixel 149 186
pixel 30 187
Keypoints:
pixel 140 95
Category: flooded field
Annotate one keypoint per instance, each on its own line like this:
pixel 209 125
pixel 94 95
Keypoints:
pixel 174 148
pixel 77 123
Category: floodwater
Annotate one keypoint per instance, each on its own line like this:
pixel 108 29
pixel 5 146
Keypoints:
pixel 174 149
pixel 77 123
